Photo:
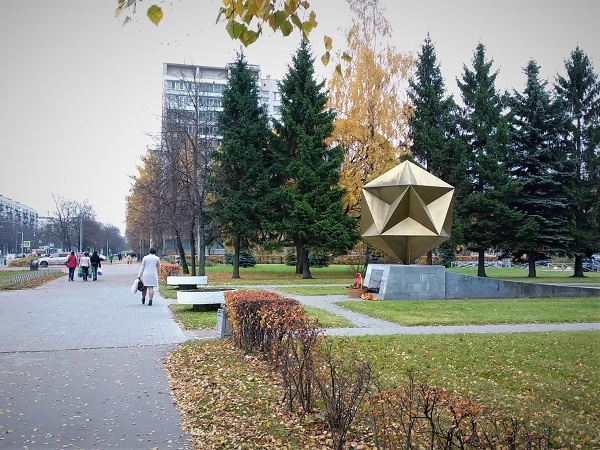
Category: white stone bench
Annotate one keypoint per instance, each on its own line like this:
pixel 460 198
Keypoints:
pixel 187 282
pixel 202 297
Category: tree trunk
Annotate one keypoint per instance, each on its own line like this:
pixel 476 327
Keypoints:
pixel 531 262
pixel 184 266
pixel 193 249
pixel 578 268
pixel 429 258
pixel 299 267
pixel 201 247
pixel 305 267
pixel 236 257
pixel 481 264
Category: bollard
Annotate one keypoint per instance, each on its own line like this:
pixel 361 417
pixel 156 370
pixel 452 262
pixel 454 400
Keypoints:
pixel 223 325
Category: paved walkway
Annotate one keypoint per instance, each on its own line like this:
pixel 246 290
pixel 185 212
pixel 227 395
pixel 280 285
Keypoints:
pixel 81 362
pixel 81 366
pixel 365 325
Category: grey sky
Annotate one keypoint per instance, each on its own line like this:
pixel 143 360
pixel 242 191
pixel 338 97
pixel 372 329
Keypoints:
pixel 80 94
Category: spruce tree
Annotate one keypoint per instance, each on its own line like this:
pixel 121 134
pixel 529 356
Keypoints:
pixel 538 164
pixel 488 220
pixel 312 214
pixel 580 92
pixel 434 135
pixel 240 174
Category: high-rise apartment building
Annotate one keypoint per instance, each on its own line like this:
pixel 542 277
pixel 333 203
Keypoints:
pixel 17 214
pixel 193 95
pixel 17 224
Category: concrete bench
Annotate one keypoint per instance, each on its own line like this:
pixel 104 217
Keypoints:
pixel 187 282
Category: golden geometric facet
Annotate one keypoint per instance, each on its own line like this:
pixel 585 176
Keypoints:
pixel 406 212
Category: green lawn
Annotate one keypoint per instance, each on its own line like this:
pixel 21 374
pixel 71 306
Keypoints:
pixel 542 275
pixel 479 312
pixel 278 274
pixel 540 377
pixel 314 290
pixel 6 279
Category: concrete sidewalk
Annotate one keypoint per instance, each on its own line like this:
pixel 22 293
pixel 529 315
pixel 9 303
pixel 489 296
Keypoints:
pixel 81 366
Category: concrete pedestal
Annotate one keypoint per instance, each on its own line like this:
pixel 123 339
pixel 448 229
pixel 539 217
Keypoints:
pixel 407 282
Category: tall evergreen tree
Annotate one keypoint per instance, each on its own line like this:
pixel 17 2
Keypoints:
pixel 580 92
pixel 433 132
pixel 538 164
pixel 488 220
pixel 312 201
pixel 241 177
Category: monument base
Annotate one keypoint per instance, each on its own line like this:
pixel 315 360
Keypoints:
pixel 418 282
pixel 406 282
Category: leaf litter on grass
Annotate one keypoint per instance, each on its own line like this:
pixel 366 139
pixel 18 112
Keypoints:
pixel 230 400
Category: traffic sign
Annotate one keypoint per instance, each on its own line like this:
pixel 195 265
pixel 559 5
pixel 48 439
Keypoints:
pixel 26 244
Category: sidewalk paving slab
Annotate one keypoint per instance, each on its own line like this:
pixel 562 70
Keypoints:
pixel 81 366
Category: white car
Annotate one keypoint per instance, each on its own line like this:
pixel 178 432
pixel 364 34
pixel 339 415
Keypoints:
pixel 55 259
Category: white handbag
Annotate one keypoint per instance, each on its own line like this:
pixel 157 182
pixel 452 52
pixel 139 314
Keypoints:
pixel 134 286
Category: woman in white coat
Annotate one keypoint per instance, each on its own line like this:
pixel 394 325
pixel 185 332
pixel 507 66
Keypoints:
pixel 149 275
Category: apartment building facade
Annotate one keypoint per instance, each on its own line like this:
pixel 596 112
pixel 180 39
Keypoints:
pixel 17 224
pixel 192 94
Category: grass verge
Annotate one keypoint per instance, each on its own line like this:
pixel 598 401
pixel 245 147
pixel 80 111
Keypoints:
pixel 6 280
pixel 536 377
pixel 542 275
pixel 482 312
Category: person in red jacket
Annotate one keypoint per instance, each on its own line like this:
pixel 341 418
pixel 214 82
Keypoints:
pixel 71 264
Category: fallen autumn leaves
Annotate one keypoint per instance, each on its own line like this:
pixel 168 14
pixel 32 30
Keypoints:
pixel 228 400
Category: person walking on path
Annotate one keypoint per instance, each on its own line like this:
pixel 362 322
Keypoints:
pixel 84 265
pixel 149 275
pixel 71 264
pixel 95 261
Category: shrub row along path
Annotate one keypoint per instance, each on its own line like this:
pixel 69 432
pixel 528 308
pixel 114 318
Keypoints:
pixel 81 362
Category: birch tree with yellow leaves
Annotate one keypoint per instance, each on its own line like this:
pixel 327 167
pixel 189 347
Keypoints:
pixel 370 98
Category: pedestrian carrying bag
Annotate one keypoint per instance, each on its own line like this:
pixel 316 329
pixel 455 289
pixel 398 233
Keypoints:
pixel 99 271
pixel 79 273
pixel 140 285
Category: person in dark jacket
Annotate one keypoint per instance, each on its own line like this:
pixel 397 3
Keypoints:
pixel 95 261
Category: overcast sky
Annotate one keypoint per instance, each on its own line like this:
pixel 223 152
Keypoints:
pixel 80 95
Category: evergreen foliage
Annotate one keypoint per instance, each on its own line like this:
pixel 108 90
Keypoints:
pixel 580 93
pixel 310 198
pixel 488 221
pixel 539 165
pixel 246 259
pixel 241 167
pixel 434 134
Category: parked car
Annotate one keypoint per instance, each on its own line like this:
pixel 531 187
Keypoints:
pixel 54 259
pixel 590 264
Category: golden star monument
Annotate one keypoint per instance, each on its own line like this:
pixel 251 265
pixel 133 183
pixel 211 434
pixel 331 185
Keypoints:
pixel 406 212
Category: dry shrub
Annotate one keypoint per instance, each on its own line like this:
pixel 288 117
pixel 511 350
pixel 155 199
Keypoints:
pixel 419 416
pixel 167 269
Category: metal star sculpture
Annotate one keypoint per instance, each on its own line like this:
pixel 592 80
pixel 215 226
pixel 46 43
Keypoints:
pixel 406 212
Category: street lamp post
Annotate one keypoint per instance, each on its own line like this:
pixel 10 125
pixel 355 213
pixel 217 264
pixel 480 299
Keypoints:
pixel 17 242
